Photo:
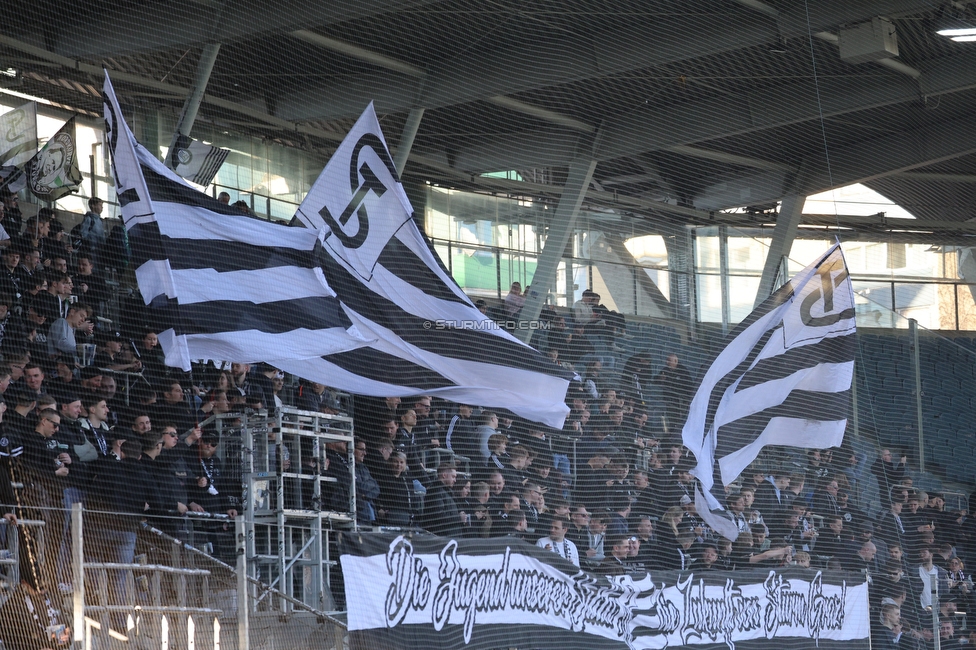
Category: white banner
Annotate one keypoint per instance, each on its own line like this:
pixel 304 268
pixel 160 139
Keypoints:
pixel 405 587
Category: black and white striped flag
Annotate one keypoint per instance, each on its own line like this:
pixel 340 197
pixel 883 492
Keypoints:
pixel 195 161
pixel 220 285
pixel 783 379
pixel 428 337
pixel 358 300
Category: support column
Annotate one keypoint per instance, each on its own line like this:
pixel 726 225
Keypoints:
pixel 917 369
pixel 192 104
pixel 243 593
pixel 560 230
pixel 410 129
pixel 681 273
pixel 723 273
pixel 78 627
pixel 783 235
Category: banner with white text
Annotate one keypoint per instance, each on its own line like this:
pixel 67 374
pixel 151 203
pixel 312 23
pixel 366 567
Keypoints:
pixel 422 591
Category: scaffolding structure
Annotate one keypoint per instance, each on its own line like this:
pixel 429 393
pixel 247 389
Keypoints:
pixel 293 505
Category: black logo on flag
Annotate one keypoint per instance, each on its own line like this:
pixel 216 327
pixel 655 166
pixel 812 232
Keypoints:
pixel 359 192
pixel 832 275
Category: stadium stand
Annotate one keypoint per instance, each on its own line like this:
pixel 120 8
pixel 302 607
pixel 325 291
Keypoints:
pixel 654 166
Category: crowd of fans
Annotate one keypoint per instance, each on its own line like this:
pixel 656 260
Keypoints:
pixel 610 492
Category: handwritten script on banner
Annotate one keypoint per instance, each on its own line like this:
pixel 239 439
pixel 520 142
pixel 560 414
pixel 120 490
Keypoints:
pixel 491 582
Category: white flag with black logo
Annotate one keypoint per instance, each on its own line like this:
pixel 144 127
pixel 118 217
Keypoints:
pixel 18 135
pixel 358 199
pixel 195 161
pixel 783 379
pixel 429 336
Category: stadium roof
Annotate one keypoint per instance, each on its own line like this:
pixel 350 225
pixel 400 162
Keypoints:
pixel 688 107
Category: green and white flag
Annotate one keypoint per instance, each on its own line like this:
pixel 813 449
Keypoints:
pixel 53 172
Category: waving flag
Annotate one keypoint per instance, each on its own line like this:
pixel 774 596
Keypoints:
pixel 783 379
pixel 18 135
pixel 196 161
pixel 429 336
pixel 220 285
pixel 53 171
pixel 357 300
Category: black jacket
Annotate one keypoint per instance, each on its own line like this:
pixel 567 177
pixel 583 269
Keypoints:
pixel 441 515
pixel 119 493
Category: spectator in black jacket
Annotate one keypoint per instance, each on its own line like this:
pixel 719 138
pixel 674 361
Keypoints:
pixel 676 387
pixel 336 495
pixel 213 490
pixel 888 471
pixel 441 514
pixel 166 494
pixel 173 407
pixel 119 499
pixel 395 505
pixel 367 489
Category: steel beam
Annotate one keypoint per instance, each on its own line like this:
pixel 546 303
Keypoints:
pixel 180 24
pixel 654 128
pixel 407 137
pixel 934 177
pixel 790 213
pixel 560 230
pixel 856 163
pixel 571 59
pixel 192 104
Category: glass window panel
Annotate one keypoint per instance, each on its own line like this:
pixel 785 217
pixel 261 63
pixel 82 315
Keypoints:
pixel 475 270
pixel 443 252
pixel 707 253
pixel 872 304
pixel 709 298
pixel 742 296
pixel 918 301
pixel 747 254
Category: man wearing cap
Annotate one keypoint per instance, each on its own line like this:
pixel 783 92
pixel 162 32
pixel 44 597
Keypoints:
pixel 212 490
